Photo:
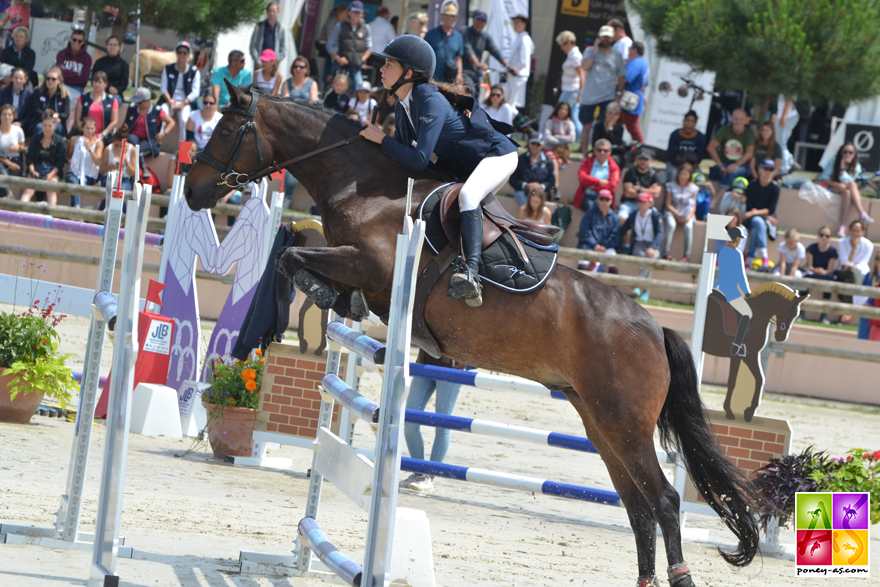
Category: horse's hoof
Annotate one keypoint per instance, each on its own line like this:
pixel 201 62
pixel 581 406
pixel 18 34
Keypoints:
pixel 729 414
pixel 357 305
pixel 648 581
pixel 679 576
pixel 281 266
pixel 321 294
pixel 748 413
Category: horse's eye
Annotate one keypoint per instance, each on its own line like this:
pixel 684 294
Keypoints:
pixel 225 133
pixel 782 326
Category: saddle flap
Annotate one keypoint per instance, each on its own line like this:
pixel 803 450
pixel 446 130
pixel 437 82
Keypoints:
pixel 541 234
pixel 729 315
pixel 450 219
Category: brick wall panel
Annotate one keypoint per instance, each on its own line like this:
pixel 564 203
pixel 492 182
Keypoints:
pixel 728 440
pixel 287 429
pixel 719 429
pixel 294 373
pixel 287 362
pixel 752 444
pixel 281 400
pixel 762 435
pixel 762 456
pixel 275 370
pixel 291 411
pixel 280 419
pixel 737 452
pixel 774 448
pixel 740 432
pixel 309 414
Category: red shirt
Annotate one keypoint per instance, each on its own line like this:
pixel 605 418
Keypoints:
pixel 140 127
pixel 96 111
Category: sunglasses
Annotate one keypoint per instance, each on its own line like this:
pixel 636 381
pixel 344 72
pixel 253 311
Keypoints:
pixel 849 152
pixel 183 52
pixel 824 235
pixel 602 150
pixel 604 198
pixel 209 103
pixel 299 66
pixel 76 40
pixel 496 95
pixel 51 79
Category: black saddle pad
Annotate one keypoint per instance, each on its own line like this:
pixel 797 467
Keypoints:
pixel 501 263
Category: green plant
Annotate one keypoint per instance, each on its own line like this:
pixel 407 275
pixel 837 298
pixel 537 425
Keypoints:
pixel 859 471
pixel 238 384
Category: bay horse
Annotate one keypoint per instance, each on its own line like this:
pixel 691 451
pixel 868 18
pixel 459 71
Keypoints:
pixel 770 302
pixel 620 370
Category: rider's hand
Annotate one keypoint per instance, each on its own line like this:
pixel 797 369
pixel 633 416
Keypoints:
pixel 373 133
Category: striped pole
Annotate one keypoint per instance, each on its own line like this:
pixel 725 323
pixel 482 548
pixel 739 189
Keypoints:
pixel 349 398
pixel 482 380
pixel 519 482
pixel 60 225
pixel 342 566
pixel 356 342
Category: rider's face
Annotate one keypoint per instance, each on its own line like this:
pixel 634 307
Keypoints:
pixel 391 72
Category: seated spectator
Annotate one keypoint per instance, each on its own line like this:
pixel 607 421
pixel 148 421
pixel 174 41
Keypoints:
pixel 839 176
pixel 300 86
pixel 638 180
pixel 600 228
pixel 51 95
pixel 20 54
pixel 387 100
pixel 201 124
pixel 497 108
pixel 821 260
pixel 534 170
pixel 869 329
pixel 98 104
pixel 268 79
pixel 234 72
pixel 363 103
pixel 646 235
pixel 704 196
pixel 115 67
pixel 535 208
pixel 855 255
pixel 145 122
pixel 45 158
pixel 19 96
pixel 181 84
pixel 75 63
pixel 611 130
pixel 766 147
pixel 11 145
pixel 388 125
pixel 338 99
pixel 597 172
pixel 735 198
pixel 113 154
pixel 686 145
pixel 681 206
pixel 760 216
pixel 559 129
pixel 84 154
pixel 17 15
pixel 791 254
pixel 731 149
pixel 735 221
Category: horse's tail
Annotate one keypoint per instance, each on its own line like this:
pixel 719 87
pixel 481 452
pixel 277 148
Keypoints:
pixel 683 426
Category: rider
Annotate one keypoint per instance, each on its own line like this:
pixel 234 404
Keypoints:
pixel 733 284
pixel 430 129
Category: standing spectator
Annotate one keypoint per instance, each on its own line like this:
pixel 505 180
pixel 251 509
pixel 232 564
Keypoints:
pixel 338 14
pixel 600 228
pixel 339 99
pixel 622 43
pixel 520 61
pixel 647 236
pixel 418 24
pixel 559 129
pixel 603 82
pixel 75 64
pixel 181 83
pixel 17 15
pixel 364 103
pixel 638 180
pixel 535 209
pixel 572 76
pixel 19 97
pixel 268 79
pixel 611 130
pixel 821 260
pixel 11 145
pixel 497 107
pixel 20 54
pixel 791 253
pixel 45 158
pixel 113 154
pixel 760 217
pixel 350 43
pixel 533 170
pixel 735 199
pixel 201 123
pixel 686 145
pixel 855 255
pixel 269 34
pixel 636 82
pixel 300 86
pixel 234 72
pixel 705 196
pixel 51 95
pixel 84 155
pixel 382 33
pixel 115 67
pixel 840 177
pixel 145 123
pixel 787 117
pixel 476 42
pixel 869 329
pixel 448 46
pixel 597 172
pixel 766 147
pixel 98 104
pixel 731 149
pixel 681 205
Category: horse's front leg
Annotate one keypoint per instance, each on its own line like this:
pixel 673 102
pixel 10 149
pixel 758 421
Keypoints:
pixel 754 364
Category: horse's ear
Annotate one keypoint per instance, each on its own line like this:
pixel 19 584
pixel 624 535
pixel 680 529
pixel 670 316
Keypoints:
pixel 236 96
pixel 802 297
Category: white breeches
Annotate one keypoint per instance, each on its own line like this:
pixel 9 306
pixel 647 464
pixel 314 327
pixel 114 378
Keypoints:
pixel 742 306
pixel 490 174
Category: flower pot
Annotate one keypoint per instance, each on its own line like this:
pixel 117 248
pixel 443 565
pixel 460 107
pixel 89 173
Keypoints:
pixel 231 430
pixel 22 408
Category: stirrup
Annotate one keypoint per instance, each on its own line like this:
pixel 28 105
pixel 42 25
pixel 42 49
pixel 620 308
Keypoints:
pixel 738 350
pixel 464 283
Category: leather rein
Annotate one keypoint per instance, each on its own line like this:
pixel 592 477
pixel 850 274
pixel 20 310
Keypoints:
pixel 229 177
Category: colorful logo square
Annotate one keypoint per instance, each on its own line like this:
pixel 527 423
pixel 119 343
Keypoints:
pixel 814 548
pixel 850 511
pixel 850 548
pixel 813 511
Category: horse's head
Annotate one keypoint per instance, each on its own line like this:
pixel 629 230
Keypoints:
pixel 786 315
pixel 235 151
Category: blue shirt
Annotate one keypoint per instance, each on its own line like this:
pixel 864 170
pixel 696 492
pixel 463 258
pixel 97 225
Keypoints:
pixel 636 80
pixel 243 78
pixel 446 48
pixel 599 230
pixel 601 170
pixel 731 279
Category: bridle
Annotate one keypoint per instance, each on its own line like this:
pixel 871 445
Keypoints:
pixel 228 176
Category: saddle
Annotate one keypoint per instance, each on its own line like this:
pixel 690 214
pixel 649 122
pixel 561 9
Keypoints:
pixel 729 315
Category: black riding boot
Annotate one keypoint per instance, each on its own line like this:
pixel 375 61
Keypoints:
pixel 738 347
pixel 465 282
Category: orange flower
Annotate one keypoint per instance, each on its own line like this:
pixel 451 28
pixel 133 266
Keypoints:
pixel 259 353
pixel 232 400
pixel 251 385
pixel 248 375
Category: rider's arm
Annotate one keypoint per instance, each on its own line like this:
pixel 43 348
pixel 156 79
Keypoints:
pixel 431 118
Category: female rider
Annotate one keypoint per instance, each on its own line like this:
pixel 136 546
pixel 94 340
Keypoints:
pixel 428 126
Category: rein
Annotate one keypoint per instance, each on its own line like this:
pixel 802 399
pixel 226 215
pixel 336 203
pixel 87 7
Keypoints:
pixel 229 177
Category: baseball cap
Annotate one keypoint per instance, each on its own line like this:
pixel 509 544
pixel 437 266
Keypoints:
pixel 698 178
pixel 536 138
pixel 605 194
pixel 644 154
pixel 741 183
pixel 645 197
pixel 356 6
pixel 449 9
pixel 268 55
pixel 480 15
pixel 182 44
pixel 364 87
pixel 521 17
pixel 141 95
pixel 606 31
pixel 768 164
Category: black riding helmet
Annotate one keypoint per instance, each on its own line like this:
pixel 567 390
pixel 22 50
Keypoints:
pixel 735 233
pixel 413 53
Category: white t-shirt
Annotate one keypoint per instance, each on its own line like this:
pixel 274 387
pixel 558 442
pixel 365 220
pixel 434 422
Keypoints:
pixel 792 257
pixel 622 46
pixel 683 197
pixel 365 109
pixel 504 113
pixel 203 129
pixel 14 137
pixel 571 81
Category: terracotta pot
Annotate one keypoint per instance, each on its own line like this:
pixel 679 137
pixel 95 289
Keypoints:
pixel 22 408
pixel 231 430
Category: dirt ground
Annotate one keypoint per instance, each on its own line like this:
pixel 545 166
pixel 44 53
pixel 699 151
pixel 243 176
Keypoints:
pixel 187 516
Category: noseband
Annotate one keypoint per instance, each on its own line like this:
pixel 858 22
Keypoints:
pixel 228 176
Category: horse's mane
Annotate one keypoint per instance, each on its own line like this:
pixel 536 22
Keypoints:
pixel 316 106
pixel 776 288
